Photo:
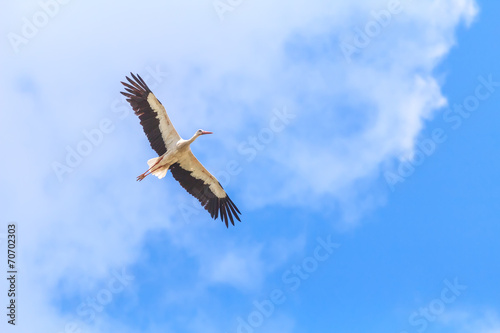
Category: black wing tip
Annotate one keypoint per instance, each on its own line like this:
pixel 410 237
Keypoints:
pixel 216 206
pixel 137 83
pixel 225 209
pixel 228 211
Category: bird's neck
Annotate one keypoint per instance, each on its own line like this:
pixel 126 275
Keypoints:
pixel 194 137
pixel 185 143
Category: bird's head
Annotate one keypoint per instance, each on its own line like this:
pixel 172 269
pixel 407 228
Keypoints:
pixel 201 132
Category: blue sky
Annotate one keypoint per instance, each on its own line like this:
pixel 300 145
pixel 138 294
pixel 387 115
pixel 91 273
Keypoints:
pixel 368 198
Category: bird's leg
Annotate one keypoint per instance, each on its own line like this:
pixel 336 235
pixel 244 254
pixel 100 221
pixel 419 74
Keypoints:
pixel 149 171
pixel 143 175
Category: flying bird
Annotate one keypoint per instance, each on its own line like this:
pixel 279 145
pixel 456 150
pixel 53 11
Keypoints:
pixel 174 153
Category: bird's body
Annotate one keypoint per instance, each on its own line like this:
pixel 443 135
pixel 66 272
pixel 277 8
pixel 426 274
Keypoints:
pixel 159 166
pixel 174 153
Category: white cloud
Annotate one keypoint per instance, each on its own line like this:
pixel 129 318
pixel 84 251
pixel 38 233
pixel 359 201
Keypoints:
pixel 238 268
pixel 480 321
pixel 246 266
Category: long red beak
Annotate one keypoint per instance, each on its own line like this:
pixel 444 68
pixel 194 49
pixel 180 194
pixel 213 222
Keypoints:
pixel 206 132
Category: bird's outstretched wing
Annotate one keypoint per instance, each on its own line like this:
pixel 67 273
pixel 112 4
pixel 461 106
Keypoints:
pixel 195 179
pixel 154 119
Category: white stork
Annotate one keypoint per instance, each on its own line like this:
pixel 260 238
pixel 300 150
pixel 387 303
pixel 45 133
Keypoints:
pixel 175 153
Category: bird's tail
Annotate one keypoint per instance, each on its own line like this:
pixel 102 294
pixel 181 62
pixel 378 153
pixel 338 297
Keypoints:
pixel 158 172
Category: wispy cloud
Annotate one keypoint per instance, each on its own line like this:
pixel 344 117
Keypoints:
pixel 472 321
